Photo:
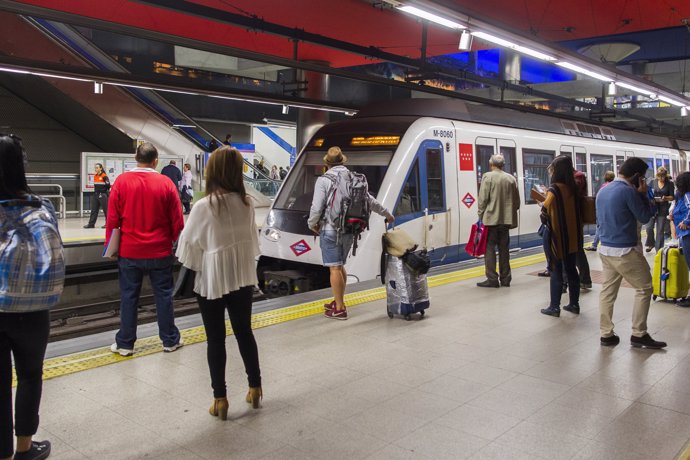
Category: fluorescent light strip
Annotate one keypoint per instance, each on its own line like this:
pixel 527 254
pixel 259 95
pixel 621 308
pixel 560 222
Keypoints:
pixel 636 89
pixel 584 71
pixel 671 101
pixel 431 17
pixel 513 46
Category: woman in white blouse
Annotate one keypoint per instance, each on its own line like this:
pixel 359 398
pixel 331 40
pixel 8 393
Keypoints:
pixel 186 187
pixel 220 243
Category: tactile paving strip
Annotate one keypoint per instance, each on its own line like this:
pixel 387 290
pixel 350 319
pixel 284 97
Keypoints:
pixel 69 364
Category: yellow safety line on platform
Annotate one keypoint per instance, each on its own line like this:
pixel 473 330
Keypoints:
pixel 82 361
pixel 86 239
pixel 686 453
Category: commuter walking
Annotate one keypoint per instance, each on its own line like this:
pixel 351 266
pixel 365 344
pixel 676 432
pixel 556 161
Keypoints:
pixel 323 220
pixel 620 206
pixel 173 173
pixel 282 172
pixel 220 233
pixel 663 190
pixel 99 198
pixel 145 207
pixel 32 273
pixel 563 235
pixel 186 191
pixel 499 201
pixel 608 178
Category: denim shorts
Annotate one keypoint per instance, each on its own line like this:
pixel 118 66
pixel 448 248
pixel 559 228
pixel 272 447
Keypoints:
pixel 334 253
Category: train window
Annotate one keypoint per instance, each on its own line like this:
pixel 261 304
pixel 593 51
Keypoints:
pixel 581 162
pixel 410 198
pixel 484 153
pixel 509 156
pixel 298 190
pixel 600 164
pixel 434 177
pixel 535 163
pixel 650 170
pixel 663 161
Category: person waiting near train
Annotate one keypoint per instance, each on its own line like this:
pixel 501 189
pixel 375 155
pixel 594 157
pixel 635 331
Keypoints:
pixel 173 173
pixel 99 199
pixel 220 233
pixel 620 206
pixel 563 234
pixel 145 206
pixel 24 321
pixel 499 201
pixel 608 178
pixel 663 189
pixel 335 247
pixel 680 216
pixel 186 191
pixel 581 261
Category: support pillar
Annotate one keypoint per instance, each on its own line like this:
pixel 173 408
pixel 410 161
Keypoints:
pixel 509 66
pixel 309 121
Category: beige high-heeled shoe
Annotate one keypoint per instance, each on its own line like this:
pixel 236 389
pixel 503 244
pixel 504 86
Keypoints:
pixel 219 408
pixel 254 396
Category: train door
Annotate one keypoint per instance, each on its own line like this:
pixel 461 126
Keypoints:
pixel 662 160
pixel 422 208
pixel 621 156
pixel 579 156
pixel 599 164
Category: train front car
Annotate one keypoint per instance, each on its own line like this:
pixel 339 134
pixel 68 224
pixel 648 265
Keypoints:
pixel 290 259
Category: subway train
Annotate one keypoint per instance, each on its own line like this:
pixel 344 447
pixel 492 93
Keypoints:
pixel 424 160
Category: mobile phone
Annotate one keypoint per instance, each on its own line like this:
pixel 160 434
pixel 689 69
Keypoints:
pixel 635 180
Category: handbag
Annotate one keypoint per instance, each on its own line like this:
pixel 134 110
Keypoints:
pixel 589 210
pixel 398 242
pixel 184 286
pixel 476 246
pixel 417 262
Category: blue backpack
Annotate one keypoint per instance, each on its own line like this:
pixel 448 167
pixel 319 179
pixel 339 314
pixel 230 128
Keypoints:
pixel 32 264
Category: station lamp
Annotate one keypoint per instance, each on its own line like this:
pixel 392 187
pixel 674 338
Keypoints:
pixel 97 87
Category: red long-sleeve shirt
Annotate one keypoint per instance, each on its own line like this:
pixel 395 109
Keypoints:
pixel 146 208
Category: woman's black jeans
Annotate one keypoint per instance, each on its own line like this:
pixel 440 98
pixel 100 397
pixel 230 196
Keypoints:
pixel 569 263
pixel 24 335
pixel 239 307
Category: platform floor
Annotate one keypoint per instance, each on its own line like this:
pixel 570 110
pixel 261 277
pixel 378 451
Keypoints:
pixel 484 376
pixel 73 231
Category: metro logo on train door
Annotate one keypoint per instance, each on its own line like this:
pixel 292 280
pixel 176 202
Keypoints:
pixel 300 248
pixel 466 157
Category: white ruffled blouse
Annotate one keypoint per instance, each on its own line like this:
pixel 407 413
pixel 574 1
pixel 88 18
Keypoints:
pixel 220 248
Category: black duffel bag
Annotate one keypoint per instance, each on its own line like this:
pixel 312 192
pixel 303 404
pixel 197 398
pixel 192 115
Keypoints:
pixel 417 262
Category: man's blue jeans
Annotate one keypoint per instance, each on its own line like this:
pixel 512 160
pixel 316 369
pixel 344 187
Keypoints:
pixel 132 273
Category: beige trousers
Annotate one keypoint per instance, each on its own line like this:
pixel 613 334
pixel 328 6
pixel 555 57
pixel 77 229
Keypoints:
pixel 632 267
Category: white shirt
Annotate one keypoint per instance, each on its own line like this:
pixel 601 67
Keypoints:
pixel 220 248
pixel 186 179
pixel 620 252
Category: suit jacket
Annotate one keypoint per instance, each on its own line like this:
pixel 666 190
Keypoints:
pixel 499 199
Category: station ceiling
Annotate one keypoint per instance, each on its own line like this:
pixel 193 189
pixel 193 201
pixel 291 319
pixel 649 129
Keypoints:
pixel 647 38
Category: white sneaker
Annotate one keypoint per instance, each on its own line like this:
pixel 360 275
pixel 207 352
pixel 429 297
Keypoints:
pixel 174 347
pixel 121 351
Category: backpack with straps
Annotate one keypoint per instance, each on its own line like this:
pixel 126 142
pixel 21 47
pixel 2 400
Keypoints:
pixel 32 265
pixel 347 204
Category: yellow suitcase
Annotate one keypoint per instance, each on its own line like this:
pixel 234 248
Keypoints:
pixel 670 276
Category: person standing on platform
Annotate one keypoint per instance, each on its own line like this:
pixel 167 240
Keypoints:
pixel 173 173
pixel 663 190
pixel 99 199
pixel 186 191
pixel 221 232
pixel 620 206
pixel 228 139
pixel 582 262
pixel 282 173
pixel 145 206
pixel 564 235
pixel 499 201
pixel 608 178
pixel 335 246
pixel 24 318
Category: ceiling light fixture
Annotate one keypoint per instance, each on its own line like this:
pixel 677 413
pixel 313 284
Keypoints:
pixel 286 109
pixel 465 41
pixel 583 71
pixel 672 101
pixel 514 46
pixel 683 111
pixel 431 17
pixel 636 89
pixel 97 87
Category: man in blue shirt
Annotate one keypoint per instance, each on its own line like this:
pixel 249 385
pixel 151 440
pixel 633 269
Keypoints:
pixel 621 208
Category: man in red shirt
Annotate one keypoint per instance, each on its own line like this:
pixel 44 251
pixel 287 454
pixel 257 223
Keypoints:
pixel 145 206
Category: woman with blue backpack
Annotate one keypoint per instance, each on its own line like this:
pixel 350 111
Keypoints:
pixel 32 272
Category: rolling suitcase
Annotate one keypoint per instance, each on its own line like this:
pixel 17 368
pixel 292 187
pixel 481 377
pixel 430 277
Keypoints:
pixel 670 275
pixel 407 292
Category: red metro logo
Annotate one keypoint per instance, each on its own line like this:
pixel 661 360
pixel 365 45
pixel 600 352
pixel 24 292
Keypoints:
pixel 300 248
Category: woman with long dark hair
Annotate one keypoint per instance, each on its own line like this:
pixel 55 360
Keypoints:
pixel 561 216
pixel 28 293
pixel 220 243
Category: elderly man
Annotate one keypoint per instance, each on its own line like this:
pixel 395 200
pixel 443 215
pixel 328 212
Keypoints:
pixel 499 201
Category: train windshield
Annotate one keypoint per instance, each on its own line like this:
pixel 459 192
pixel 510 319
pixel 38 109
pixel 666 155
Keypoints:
pixel 297 193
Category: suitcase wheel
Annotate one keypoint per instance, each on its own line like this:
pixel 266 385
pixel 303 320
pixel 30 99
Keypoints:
pixel 408 318
pixel 390 315
pixel 421 314
pixel 653 297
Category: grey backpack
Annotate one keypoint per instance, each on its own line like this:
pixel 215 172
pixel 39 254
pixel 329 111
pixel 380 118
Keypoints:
pixel 347 204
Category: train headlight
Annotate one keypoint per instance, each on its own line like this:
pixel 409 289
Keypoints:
pixel 272 234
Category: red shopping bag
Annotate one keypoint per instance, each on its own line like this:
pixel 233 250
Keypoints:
pixel 476 246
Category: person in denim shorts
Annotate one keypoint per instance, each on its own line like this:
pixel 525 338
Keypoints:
pixel 335 248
